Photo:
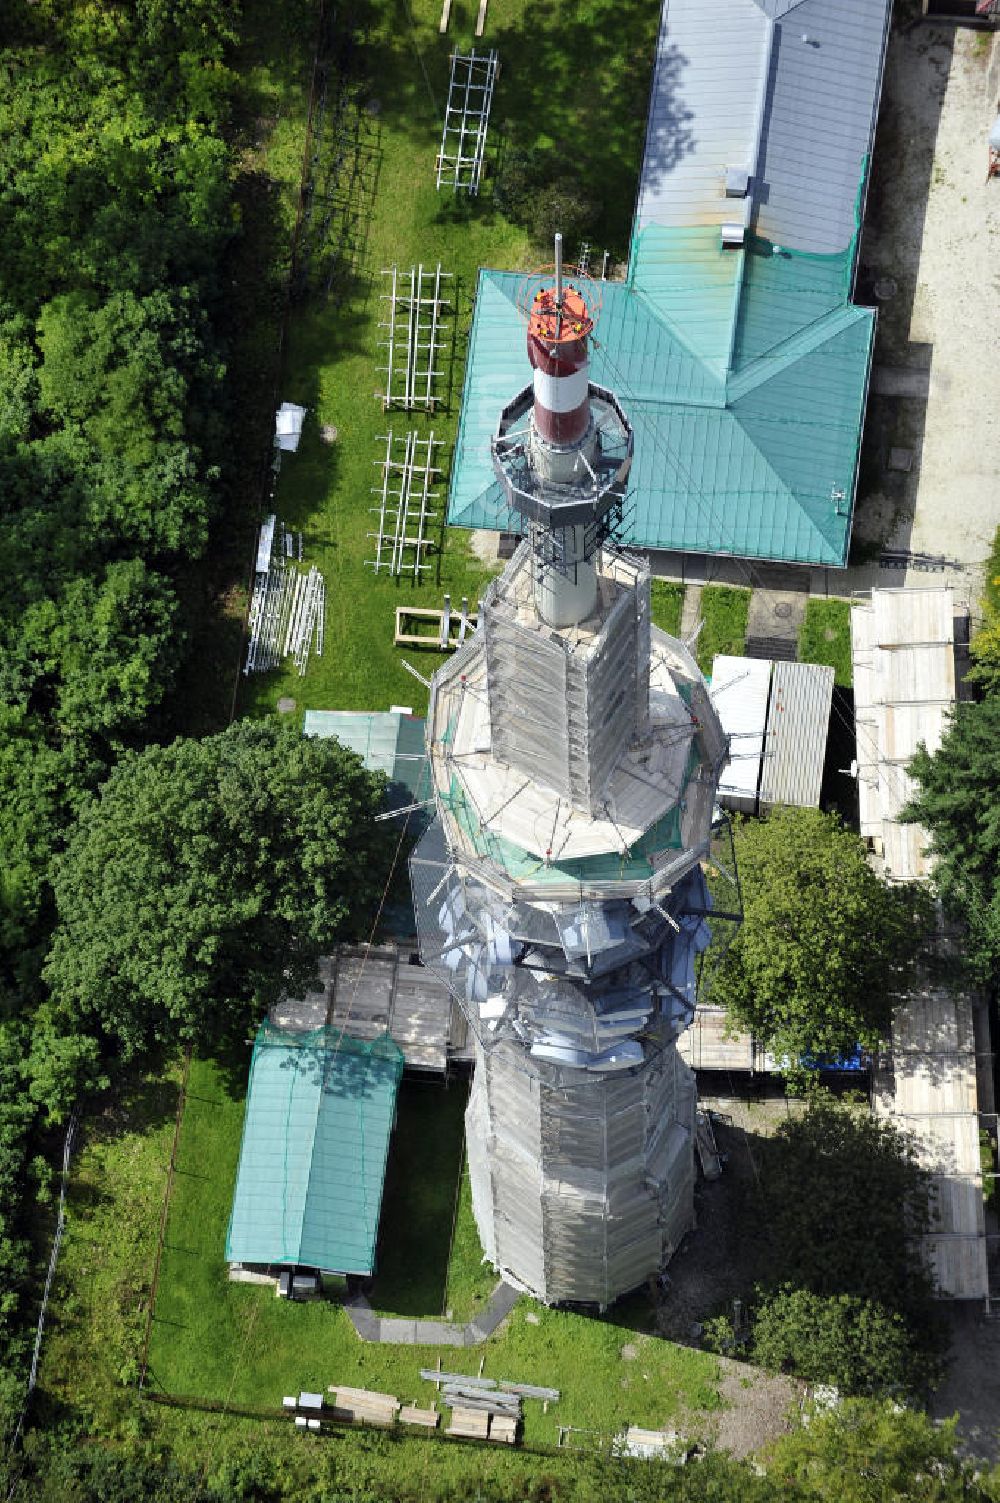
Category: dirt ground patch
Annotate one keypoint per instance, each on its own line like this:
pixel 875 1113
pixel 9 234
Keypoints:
pixel 715 1266
pixel 930 259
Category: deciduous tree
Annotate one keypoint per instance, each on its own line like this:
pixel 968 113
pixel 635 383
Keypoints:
pixel 958 804
pixel 209 876
pixel 826 948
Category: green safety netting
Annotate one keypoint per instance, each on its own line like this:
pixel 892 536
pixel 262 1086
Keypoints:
pixel 320 1109
pixel 744 374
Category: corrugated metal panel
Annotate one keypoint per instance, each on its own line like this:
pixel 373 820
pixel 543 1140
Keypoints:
pixel 905 726
pixel 915 675
pixel 935 1097
pixel 797 724
pixel 740 688
pixel 823 87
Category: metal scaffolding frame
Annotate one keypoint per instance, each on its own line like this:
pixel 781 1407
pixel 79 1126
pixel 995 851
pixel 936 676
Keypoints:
pixel 287 607
pixel 404 510
pixel 466 120
pixel 413 336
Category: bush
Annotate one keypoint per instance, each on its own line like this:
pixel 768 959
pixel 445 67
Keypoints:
pixel 853 1343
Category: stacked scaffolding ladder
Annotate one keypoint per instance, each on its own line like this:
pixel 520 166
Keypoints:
pixel 405 498
pixel 466 120
pixel 413 331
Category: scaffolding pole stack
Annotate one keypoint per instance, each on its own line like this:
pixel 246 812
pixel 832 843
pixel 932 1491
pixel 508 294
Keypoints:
pixel 466 120
pixel 404 508
pixel 413 331
pixel 287 607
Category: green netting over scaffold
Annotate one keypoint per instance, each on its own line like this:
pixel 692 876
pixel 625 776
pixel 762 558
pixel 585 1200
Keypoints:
pixel 320 1109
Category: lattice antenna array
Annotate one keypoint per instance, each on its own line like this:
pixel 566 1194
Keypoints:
pixel 405 495
pixel 412 335
pixel 466 120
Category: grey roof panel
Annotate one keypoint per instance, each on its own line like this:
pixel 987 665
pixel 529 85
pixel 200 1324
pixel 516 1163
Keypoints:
pixel 702 110
pixel 798 720
pixel 822 96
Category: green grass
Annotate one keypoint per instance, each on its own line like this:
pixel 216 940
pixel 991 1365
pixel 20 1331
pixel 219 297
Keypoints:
pixel 725 611
pixel 666 605
pixel 93 1337
pixel 470 1280
pixel 826 638
pixel 332 352
pixel 212 1338
pixel 219 1341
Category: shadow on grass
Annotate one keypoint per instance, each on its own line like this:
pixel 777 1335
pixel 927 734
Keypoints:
pixel 425 1157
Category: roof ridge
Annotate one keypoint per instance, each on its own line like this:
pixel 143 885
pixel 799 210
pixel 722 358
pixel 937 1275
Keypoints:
pixel 781 482
pixel 764 368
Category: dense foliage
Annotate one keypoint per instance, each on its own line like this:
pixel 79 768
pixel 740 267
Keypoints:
pixel 856 1453
pixel 115 215
pixel 206 878
pixel 957 805
pixel 115 211
pixel 842 1293
pixel 853 1343
pixel 826 948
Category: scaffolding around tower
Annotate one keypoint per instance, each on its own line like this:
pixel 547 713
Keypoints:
pixel 564 892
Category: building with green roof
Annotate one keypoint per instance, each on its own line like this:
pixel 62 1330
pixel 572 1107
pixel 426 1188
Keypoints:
pixel 319 1114
pixel 733 341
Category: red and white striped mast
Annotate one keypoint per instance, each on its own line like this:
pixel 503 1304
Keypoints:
pixel 563 449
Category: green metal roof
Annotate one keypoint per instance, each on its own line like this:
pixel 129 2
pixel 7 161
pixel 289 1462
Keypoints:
pixel 320 1109
pixel 386 741
pixel 744 374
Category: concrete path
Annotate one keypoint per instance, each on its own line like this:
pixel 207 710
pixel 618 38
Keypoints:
pixel 690 611
pixel 776 617
pixel 395 1331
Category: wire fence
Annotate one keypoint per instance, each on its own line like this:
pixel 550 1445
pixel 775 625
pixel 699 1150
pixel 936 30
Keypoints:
pixel 68 1145
pixel 164 1213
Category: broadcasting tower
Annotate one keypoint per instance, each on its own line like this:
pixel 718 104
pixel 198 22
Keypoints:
pixel 560 891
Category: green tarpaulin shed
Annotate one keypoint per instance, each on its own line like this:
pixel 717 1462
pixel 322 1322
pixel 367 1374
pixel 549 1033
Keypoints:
pixel 319 1113
pixel 385 740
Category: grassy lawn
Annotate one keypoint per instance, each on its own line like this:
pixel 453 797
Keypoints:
pixel 93 1336
pixel 666 605
pixel 826 638
pixel 212 1338
pixel 333 350
pixel 725 611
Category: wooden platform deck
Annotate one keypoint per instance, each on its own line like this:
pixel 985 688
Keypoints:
pixel 367 992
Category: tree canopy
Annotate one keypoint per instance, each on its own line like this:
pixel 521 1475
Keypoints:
pixel 206 877
pixel 825 948
pixel 856 1344
pixel 838 1211
pixel 958 805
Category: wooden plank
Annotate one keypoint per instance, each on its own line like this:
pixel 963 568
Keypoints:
pixel 503 1429
pixel 469 1424
pixel 445 16
pixel 411 1415
pixel 365 1396
pixel 481 18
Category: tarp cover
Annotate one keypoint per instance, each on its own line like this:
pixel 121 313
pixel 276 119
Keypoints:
pixel 320 1109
